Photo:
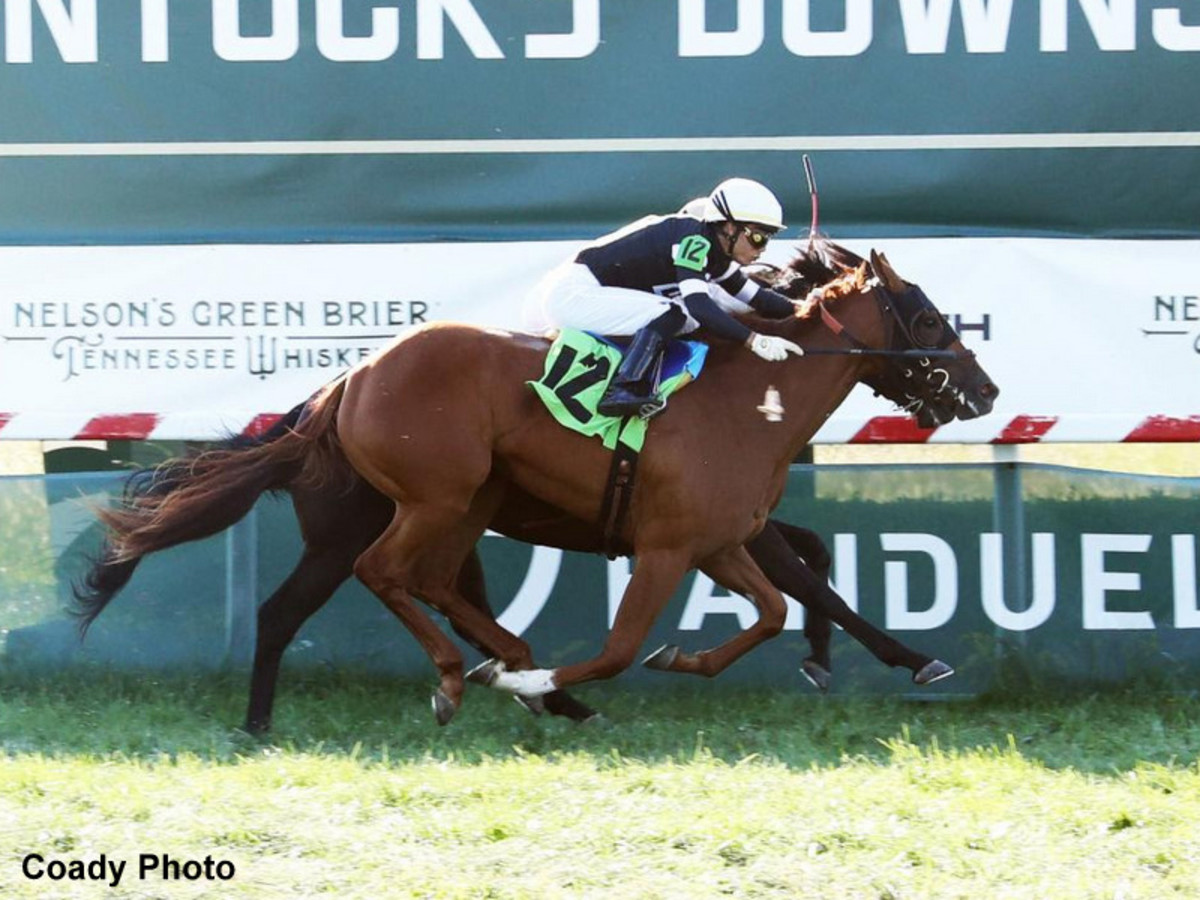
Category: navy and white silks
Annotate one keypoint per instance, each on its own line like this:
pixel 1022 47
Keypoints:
pixel 625 280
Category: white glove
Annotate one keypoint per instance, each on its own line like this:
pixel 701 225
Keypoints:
pixel 772 348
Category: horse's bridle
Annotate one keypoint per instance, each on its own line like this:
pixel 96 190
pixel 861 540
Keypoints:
pixel 910 347
pixel 898 330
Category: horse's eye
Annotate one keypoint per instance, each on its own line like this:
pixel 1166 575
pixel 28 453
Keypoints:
pixel 927 328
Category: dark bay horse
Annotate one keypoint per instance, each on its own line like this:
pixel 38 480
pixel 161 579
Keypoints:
pixel 441 423
pixel 340 517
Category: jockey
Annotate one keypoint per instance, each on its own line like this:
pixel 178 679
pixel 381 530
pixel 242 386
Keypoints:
pixel 667 275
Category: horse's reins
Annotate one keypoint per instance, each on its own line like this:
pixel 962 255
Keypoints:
pixel 924 356
pixel 859 348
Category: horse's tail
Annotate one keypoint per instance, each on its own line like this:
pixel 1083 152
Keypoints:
pixel 197 496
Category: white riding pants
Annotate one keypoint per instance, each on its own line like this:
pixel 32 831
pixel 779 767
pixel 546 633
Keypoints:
pixel 569 296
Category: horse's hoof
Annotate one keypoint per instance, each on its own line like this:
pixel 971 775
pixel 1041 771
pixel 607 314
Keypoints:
pixel 662 658
pixel 560 703
pixel 817 675
pixel 485 673
pixel 443 707
pixel 931 672
pixel 533 705
pixel 596 720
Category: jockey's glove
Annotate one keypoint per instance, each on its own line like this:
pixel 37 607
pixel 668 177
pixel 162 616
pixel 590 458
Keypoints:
pixel 771 347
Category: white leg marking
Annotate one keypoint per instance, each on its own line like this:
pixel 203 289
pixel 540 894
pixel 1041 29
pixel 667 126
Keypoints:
pixel 527 682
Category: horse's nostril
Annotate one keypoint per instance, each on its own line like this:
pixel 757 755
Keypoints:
pixel 989 391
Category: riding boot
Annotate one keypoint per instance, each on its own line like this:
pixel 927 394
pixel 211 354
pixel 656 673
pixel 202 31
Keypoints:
pixel 632 387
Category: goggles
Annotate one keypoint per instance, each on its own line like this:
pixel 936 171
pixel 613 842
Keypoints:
pixel 757 237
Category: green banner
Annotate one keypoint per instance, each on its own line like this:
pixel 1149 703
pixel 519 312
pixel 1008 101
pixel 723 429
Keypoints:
pixel 1073 577
pixel 344 120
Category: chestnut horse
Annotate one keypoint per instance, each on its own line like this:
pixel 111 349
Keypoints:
pixel 441 422
pixel 338 521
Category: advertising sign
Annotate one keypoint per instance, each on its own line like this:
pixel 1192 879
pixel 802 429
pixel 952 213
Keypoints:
pixel 1104 586
pixel 421 120
pixel 1088 340
pixel 209 208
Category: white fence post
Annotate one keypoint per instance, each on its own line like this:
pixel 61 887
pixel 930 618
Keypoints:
pixel 241 590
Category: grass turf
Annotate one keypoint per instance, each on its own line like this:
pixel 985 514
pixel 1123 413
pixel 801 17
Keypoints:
pixel 687 791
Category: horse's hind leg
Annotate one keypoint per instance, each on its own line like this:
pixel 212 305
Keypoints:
pixel 737 571
pixel 420 554
pixel 306 589
pixel 336 525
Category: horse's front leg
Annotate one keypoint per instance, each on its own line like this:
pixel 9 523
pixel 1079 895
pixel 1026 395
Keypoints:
pixel 772 552
pixel 738 572
pixel 818 627
pixel 472 588
pixel 655 577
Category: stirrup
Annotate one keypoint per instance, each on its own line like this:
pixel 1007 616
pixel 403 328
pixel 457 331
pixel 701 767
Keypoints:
pixel 652 407
pixel 619 402
pixel 631 404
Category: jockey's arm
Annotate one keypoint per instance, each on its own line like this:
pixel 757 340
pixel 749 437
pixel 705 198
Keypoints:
pixel 720 324
pixel 772 304
pixel 762 300
pixel 704 310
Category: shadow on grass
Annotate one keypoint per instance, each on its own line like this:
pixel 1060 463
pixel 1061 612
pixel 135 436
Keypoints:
pixel 151 716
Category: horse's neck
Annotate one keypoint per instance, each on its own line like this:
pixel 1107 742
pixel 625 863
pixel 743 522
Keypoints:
pixel 808 390
pixel 812 390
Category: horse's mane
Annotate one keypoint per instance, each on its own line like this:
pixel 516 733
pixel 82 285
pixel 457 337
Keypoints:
pixel 822 264
pixel 852 281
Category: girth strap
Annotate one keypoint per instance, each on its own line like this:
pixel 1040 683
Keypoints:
pixel 618 491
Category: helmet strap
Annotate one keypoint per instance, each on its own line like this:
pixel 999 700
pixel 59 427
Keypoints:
pixel 729 237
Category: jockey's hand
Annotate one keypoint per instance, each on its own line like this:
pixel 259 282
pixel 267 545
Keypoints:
pixel 772 348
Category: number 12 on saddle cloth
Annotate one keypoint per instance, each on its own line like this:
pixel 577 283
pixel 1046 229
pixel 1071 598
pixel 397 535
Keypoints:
pixel 578 369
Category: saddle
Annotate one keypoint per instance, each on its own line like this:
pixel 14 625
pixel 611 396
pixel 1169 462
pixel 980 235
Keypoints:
pixel 578 368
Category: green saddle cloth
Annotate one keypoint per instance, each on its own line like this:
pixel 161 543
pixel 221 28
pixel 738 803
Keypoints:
pixel 578 369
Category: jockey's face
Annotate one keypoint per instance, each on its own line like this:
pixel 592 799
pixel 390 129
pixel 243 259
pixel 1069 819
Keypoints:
pixel 745 243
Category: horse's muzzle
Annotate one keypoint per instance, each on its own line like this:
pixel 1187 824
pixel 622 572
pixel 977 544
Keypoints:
pixel 978 401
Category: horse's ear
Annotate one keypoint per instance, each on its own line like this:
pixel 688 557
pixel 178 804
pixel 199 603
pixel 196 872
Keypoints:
pixel 844 259
pixel 884 272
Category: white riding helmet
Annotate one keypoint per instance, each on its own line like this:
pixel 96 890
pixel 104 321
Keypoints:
pixel 744 200
pixel 694 208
